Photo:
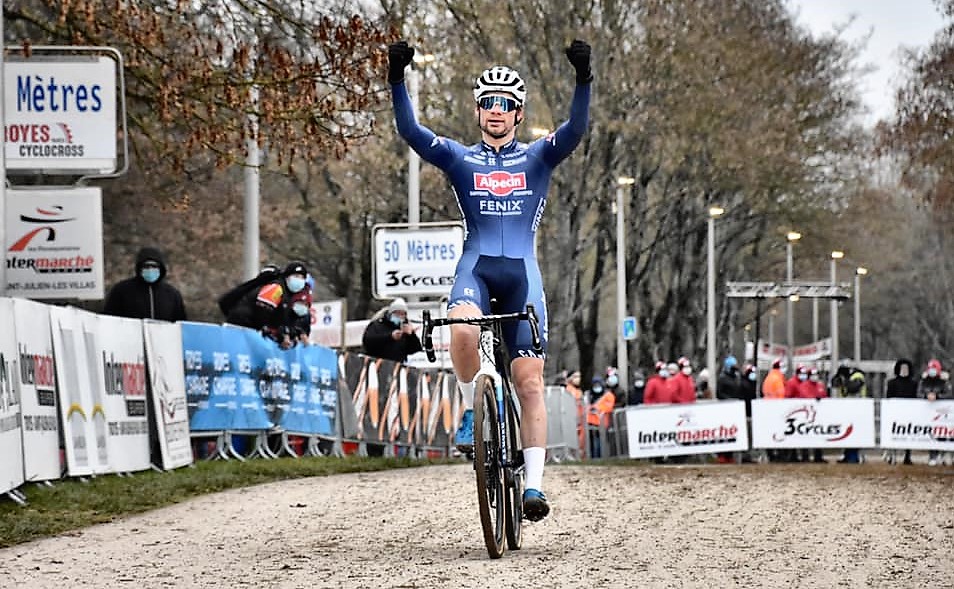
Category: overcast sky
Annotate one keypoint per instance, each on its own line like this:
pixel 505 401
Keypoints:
pixel 891 24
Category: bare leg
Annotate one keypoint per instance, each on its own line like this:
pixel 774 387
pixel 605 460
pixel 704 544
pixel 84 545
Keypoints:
pixel 464 341
pixel 528 380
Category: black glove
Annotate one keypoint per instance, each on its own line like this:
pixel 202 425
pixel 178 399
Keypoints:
pixel 400 55
pixel 579 55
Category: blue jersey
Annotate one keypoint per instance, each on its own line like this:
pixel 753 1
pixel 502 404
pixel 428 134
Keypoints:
pixel 501 194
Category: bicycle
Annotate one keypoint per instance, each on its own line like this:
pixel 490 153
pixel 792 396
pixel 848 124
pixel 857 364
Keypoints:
pixel 497 455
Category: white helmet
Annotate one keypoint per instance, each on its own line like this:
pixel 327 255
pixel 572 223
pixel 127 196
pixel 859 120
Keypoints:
pixel 497 79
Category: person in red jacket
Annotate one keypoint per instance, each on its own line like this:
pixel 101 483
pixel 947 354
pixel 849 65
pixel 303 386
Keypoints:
pixel 815 386
pixel 683 383
pixel 798 386
pixel 657 389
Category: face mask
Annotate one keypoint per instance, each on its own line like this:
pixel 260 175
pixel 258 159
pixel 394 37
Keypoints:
pixel 932 372
pixel 597 389
pixel 295 284
pixel 802 377
pixel 752 376
pixel 300 309
pixel 612 380
pixel 687 370
pixel 639 383
pixel 150 275
pixel 664 373
pixel 395 319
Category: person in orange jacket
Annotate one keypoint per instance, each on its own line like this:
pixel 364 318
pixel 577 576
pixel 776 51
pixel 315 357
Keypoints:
pixel 773 387
pixel 599 414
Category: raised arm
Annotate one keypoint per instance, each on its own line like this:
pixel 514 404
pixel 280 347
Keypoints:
pixel 565 139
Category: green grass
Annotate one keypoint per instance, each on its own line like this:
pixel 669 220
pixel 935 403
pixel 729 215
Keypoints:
pixel 72 504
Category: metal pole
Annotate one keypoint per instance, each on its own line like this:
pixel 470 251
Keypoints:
pixel 251 203
pixel 710 304
pixel 622 360
pixel 771 329
pixel 814 319
pixel 413 160
pixel 834 323
pixel 789 309
pixel 857 295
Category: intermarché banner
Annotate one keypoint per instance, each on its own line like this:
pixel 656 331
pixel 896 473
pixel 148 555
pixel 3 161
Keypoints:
pixel 697 428
pixel 54 246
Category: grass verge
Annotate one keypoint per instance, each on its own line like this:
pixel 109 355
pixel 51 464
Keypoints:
pixel 72 504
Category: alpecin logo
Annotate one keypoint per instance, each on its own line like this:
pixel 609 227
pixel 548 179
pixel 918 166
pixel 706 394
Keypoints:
pixel 45 216
pixel 801 422
pixel 500 183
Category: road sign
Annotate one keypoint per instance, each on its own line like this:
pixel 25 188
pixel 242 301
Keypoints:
pixel 415 261
pixel 629 328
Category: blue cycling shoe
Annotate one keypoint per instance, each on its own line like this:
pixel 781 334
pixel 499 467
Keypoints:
pixel 535 506
pixel 464 438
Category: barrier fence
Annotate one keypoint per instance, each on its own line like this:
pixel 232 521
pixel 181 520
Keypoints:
pixel 84 394
pixel 705 427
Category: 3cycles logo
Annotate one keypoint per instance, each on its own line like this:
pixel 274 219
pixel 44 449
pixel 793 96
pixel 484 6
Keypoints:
pixel 802 422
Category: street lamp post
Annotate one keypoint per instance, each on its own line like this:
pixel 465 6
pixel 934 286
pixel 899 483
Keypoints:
pixel 859 272
pixel 710 295
pixel 835 256
pixel 622 358
pixel 791 238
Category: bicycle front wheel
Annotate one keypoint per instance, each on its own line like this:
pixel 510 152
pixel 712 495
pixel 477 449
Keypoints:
pixel 515 475
pixel 488 465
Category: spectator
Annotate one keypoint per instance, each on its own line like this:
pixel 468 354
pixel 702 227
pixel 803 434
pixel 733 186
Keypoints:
pixel 683 383
pixel 390 335
pixel 851 383
pixel 798 387
pixel 611 380
pixel 729 387
pixel 638 389
pixel 749 385
pixel 703 390
pixel 573 385
pixel 599 415
pixel 773 387
pixel 657 391
pixel 903 386
pixel 816 386
pixel 271 308
pixel 935 384
pixel 146 295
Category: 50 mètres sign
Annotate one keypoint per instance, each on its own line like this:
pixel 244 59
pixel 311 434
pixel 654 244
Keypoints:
pixel 417 261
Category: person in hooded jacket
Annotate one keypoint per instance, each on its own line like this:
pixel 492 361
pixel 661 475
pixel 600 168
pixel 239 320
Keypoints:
pixel 729 387
pixel 146 295
pixel 390 335
pixel 279 308
pixel 904 385
pixel 638 389
pixel 935 384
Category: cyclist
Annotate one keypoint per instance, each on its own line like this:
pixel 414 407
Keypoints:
pixel 501 188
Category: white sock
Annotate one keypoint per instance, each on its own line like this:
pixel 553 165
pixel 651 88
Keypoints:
pixel 534 459
pixel 466 393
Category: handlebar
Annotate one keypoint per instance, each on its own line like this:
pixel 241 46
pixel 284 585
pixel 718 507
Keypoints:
pixel 429 324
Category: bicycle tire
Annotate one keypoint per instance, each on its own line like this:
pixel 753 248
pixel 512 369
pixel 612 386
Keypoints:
pixel 491 486
pixel 515 476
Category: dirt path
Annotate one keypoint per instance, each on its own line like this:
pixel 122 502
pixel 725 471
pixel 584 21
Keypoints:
pixel 710 526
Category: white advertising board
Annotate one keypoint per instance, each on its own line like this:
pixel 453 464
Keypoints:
pixel 811 423
pixel 61 113
pixel 80 396
pixel 121 370
pixel 37 383
pixel 54 246
pixel 696 428
pixel 11 440
pixel 917 424
pixel 328 323
pixel 168 392
pixel 415 262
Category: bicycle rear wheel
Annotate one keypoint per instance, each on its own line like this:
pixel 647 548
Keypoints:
pixel 515 476
pixel 488 465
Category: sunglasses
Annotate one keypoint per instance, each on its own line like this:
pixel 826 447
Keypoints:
pixel 505 104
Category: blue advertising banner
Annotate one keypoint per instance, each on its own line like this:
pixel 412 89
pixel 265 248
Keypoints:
pixel 221 388
pixel 238 380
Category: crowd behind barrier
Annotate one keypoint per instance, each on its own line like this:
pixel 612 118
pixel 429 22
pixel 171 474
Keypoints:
pixel 709 427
